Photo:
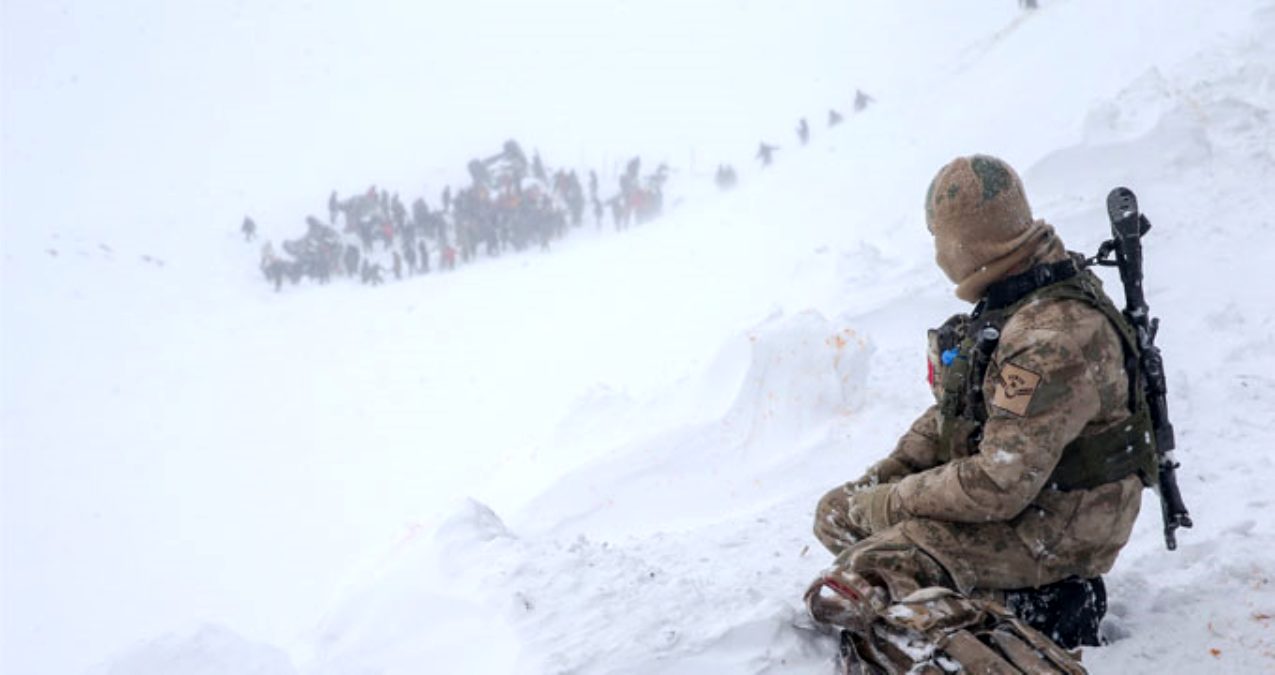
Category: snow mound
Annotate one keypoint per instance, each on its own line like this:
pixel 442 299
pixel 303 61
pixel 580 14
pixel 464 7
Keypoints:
pixel 598 551
pixel 207 650
pixel 583 604
pixel 406 615
pixel 802 373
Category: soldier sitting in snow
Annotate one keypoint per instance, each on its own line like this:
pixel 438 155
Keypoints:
pixel 1022 484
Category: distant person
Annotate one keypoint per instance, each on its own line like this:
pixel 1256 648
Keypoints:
pixel 409 254
pixel 803 132
pixel 629 179
pixel 766 153
pixel 574 196
pixel 726 177
pixel 834 118
pixel 634 166
pixel 274 272
pixel 267 253
pixel 424 257
pixel 398 212
pixel 371 274
pixel 478 173
pixel 315 229
pixel 538 168
pixel 861 100
pixel 249 229
pixel 351 259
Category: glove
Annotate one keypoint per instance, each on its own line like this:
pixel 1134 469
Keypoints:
pixel 874 509
pixel 831 526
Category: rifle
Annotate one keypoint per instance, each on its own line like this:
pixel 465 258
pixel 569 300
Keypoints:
pixel 1127 228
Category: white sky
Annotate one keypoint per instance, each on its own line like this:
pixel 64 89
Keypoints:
pixel 192 107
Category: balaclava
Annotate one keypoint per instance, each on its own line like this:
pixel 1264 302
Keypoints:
pixel 982 225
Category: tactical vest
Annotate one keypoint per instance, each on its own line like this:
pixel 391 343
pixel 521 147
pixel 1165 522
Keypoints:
pixel 1122 450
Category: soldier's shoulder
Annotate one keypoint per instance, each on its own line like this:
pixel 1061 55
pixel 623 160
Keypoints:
pixel 1056 322
pixel 1065 315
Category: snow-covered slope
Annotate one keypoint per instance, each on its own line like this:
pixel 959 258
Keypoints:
pixel 604 459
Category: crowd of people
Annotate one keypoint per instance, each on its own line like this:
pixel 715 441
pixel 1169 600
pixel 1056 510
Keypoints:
pixel 511 204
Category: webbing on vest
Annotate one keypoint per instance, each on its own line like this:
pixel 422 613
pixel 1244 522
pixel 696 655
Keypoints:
pixel 1121 450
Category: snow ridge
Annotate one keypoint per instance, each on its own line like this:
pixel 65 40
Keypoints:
pixel 605 459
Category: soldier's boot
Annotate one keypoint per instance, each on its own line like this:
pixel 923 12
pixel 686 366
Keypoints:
pixel 1068 611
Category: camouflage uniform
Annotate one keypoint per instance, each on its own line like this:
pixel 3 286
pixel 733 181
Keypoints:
pixel 988 519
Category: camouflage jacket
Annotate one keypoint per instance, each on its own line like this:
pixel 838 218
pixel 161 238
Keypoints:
pixel 1057 374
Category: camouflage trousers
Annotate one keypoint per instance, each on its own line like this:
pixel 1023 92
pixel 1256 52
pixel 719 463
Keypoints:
pixel 892 586
pixel 976 559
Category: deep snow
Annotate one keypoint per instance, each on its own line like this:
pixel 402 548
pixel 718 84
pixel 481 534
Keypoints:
pixel 602 459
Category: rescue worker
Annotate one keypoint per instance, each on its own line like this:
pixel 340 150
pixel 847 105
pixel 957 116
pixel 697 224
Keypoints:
pixel 351 259
pixel 861 100
pixel 1022 484
pixel 726 177
pixel 409 255
pixel 766 153
pixel 538 168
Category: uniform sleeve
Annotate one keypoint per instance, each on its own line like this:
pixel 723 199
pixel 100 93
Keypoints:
pixel 916 450
pixel 1040 394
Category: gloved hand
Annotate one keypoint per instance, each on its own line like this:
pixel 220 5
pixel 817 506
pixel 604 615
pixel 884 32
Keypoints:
pixel 832 528
pixel 873 509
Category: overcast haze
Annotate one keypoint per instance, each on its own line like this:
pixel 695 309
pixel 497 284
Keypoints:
pixel 604 457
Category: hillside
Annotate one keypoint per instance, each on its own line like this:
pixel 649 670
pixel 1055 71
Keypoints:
pixel 603 458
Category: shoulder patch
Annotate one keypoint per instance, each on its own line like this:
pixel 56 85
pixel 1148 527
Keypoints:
pixel 1015 387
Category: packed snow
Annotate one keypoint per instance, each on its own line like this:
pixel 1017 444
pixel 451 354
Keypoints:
pixel 603 458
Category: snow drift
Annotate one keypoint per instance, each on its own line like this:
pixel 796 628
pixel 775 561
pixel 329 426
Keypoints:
pixel 603 459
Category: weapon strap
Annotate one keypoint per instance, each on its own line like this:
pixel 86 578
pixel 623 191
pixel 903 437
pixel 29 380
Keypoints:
pixel 1011 290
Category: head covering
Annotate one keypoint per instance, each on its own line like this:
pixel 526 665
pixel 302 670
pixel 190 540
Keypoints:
pixel 982 225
